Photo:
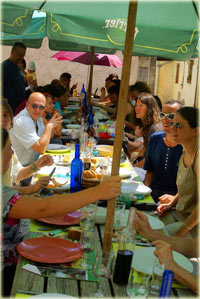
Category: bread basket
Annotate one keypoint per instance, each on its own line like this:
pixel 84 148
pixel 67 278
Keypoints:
pixel 88 183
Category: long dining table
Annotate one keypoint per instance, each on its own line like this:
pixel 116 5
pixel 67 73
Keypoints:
pixel 27 283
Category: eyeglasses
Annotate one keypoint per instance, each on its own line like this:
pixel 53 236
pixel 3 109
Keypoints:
pixel 169 116
pixel 176 125
pixel 35 106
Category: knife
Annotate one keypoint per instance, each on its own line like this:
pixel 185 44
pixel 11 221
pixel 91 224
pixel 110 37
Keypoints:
pixel 52 172
pixel 50 175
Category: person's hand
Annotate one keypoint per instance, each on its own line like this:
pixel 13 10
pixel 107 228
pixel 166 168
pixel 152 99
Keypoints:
pixel 164 253
pixel 41 183
pixel 55 120
pixel 166 198
pixel 142 225
pixel 44 161
pixel 74 86
pixel 110 188
pixel 103 90
pixel 162 209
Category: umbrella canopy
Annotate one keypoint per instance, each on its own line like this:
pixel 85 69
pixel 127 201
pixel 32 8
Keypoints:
pixel 161 27
pixel 85 58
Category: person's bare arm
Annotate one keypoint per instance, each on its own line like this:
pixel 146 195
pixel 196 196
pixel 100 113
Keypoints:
pixel 190 222
pixel 34 208
pixel 41 145
pixel 163 252
pixel 41 183
pixel 149 177
pixel 27 171
pixel 187 247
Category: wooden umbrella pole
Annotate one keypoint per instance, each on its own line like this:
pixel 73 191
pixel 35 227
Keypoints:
pixel 89 91
pixel 123 96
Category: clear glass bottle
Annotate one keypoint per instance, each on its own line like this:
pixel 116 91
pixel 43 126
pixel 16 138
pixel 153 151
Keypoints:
pixel 125 251
pixel 76 171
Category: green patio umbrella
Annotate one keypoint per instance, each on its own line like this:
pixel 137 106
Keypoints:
pixel 167 29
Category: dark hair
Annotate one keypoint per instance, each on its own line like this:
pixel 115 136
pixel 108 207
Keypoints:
pixel 113 89
pixel 108 79
pixel 18 45
pixel 4 137
pixel 8 109
pixel 173 102
pixel 55 82
pixel 51 89
pixel 61 90
pixel 113 76
pixel 140 86
pixel 24 63
pixel 116 82
pixel 191 115
pixel 66 76
pixel 158 100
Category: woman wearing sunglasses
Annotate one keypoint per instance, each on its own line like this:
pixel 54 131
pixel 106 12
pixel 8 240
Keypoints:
pixel 162 156
pixel 185 131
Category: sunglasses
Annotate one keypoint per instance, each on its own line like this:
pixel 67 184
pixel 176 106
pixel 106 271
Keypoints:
pixel 35 106
pixel 176 125
pixel 169 116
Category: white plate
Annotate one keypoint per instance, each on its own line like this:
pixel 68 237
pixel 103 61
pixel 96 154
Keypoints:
pixel 143 260
pixel 58 160
pixel 73 126
pixel 57 147
pixel 134 187
pixel 66 121
pixel 61 188
pixel 53 295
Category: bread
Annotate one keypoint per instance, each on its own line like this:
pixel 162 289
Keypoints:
pixel 89 174
pixel 94 163
pixel 66 158
pixel 74 233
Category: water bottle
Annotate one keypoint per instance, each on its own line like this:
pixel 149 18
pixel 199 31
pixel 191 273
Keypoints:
pixel 125 252
pixel 83 90
pixel 76 171
pixel 166 285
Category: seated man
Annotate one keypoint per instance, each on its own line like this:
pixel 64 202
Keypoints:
pixel 163 155
pixel 29 136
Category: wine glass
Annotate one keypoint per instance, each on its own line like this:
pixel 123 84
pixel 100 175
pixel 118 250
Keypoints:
pixel 102 269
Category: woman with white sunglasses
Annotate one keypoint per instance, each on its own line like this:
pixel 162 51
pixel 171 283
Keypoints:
pixel 185 131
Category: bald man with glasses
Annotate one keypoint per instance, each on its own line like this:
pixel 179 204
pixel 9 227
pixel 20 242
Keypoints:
pixel 13 84
pixel 29 136
pixel 162 155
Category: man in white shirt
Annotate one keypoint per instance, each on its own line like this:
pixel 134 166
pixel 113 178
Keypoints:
pixel 29 136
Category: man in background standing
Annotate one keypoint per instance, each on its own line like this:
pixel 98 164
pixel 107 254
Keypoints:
pixel 13 84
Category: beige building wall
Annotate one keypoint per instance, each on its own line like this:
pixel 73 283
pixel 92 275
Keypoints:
pixel 177 80
pixel 48 69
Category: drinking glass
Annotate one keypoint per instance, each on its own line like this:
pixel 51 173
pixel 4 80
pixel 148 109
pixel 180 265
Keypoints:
pixel 102 269
pixel 87 241
pixel 88 217
pixel 156 281
pixel 119 215
pixel 138 287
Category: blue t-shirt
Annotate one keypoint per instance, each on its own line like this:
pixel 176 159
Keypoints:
pixel 163 161
pixel 13 86
pixel 58 107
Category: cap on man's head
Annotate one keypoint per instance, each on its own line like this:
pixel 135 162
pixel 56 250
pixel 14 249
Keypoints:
pixel 31 66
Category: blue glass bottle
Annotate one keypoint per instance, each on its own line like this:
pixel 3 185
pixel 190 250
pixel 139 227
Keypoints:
pixel 83 89
pixel 91 117
pixel 76 171
pixel 166 285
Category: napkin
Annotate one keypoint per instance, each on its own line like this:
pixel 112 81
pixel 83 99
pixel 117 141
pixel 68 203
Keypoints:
pixel 31 268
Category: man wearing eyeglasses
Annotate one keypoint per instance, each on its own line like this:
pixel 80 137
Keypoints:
pixel 13 86
pixel 162 156
pixel 29 136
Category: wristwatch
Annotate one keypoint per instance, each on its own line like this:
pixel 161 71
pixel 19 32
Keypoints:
pixel 33 167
